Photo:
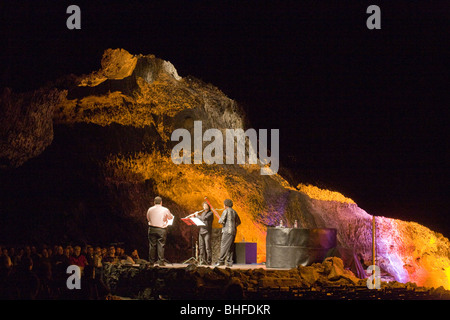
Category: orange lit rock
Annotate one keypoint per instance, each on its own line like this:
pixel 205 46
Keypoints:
pixel 116 64
pixel 26 126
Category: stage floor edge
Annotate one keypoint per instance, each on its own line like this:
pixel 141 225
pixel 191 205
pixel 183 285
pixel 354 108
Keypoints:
pixel 235 266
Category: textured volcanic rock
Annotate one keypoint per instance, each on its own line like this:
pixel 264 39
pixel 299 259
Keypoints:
pixel 327 280
pixel 26 124
pixel 110 155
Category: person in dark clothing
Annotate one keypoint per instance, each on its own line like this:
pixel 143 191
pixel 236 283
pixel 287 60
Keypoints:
pixel 60 262
pixel 92 287
pixel 44 272
pixel 26 281
pixel 90 255
pixel 230 221
pixel 204 235
pixel 5 278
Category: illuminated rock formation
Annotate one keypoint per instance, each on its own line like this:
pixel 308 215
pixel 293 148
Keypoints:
pixel 26 126
pixel 111 155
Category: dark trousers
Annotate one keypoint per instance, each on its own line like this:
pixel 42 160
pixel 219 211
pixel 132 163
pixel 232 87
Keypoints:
pixel 204 247
pixel 157 241
pixel 226 248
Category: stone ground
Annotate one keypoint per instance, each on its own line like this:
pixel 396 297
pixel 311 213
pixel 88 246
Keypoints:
pixel 321 281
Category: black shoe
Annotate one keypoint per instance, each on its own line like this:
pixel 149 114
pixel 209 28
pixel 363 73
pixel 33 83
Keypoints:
pixel 161 263
pixel 229 264
pixel 218 264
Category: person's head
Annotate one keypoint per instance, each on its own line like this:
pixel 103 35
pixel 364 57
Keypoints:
pixel 77 250
pixel 90 250
pixel 26 263
pixel 112 251
pixel 4 264
pixel 228 203
pixel 206 206
pixel 60 250
pixel 98 251
pixel 158 200
pixel 44 253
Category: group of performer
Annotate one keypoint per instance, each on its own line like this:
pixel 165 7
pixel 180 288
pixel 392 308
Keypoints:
pixel 160 217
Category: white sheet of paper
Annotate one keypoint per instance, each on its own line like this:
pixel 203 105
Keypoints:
pixel 170 222
pixel 198 222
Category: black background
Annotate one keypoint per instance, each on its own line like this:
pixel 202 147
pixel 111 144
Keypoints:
pixel 363 112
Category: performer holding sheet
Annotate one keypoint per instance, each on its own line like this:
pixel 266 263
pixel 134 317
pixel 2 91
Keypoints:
pixel 204 234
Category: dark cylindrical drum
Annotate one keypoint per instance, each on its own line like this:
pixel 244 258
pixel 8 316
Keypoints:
pixel 288 248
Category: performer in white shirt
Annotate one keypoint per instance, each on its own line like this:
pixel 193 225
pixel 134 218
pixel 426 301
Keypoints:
pixel 158 218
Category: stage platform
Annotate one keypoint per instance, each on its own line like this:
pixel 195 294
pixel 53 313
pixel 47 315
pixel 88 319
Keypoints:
pixel 183 281
pixel 234 267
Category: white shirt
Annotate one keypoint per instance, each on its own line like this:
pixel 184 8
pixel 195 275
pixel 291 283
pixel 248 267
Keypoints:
pixel 158 216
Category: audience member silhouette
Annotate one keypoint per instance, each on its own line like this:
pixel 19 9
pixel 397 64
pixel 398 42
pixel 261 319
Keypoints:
pixel 25 280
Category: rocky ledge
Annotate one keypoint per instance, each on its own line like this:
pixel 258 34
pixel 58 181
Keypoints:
pixel 326 280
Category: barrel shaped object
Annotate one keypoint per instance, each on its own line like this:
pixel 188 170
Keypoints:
pixel 291 247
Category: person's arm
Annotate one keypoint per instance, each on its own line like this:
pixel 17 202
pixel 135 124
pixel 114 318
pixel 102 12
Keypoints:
pixel 199 216
pixel 205 217
pixel 148 217
pixel 223 217
pixel 208 216
pixel 168 216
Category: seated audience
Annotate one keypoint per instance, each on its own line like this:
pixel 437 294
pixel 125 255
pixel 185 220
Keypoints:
pixel 39 272
pixel 111 255
pixel 78 258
